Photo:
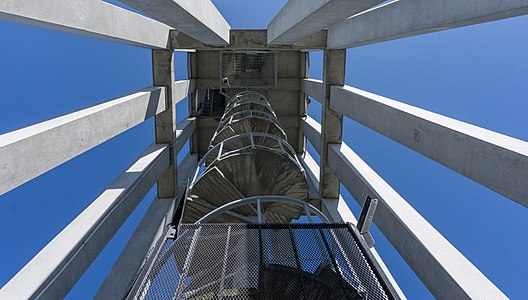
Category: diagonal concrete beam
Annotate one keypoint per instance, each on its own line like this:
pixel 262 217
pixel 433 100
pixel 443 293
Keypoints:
pixel 199 19
pixel 496 161
pixel 407 18
pixel 96 19
pixel 182 89
pixel 312 131
pixel 300 18
pixel 313 88
pixel 337 211
pixel 51 143
pixel 440 266
pixel 152 225
pixel 56 268
pixel 184 131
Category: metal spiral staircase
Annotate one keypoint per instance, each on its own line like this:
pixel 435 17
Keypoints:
pixel 236 239
pixel 232 228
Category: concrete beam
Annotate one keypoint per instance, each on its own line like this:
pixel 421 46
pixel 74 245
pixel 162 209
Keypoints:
pixel 303 101
pixel 313 88
pixel 152 225
pixel 199 19
pixel 444 270
pixel 311 169
pixel 312 131
pixel 165 122
pixel 332 120
pixel 494 160
pixel 301 18
pixel 407 18
pixel 184 131
pixel 56 268
pixel 249 39
pixel 182 88
pixel 95 19
pixel 56 141
pixel 337 211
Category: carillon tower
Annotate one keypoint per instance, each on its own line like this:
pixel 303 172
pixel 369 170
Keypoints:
pixel 249 213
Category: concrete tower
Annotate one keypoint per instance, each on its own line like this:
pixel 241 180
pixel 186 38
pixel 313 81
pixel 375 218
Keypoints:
pixel 249 214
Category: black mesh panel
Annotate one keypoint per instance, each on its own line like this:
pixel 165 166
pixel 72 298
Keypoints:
pixel 268 261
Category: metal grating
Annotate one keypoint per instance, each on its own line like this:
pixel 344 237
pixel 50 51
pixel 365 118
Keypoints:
pixel 210 102
pixel 254 69
pixel 266 261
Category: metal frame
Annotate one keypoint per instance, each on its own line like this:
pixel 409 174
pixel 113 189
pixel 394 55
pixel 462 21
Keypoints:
pixel 272 52
pixel 263 199
pixel 291 153
pixel 247 114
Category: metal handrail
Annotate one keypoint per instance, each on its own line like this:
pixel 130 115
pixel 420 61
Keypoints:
pixel 264 199
pixel 281 142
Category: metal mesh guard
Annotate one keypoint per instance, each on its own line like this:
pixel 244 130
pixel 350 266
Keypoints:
pixel 268 261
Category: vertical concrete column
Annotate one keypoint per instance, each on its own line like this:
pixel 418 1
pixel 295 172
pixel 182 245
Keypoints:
pixel 193 100
pixel 165 122
pixel 332 121
pixel 303 104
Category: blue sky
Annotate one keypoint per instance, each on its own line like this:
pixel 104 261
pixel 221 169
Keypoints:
pixel 476 74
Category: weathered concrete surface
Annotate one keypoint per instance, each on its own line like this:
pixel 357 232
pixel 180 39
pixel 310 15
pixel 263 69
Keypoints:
pixel 301 18
pixel 184 131
pixel 312 131
pixel 444 270
pixel 88 18
pixel 413 17
pixel 165 122
pixel 286 99
pixel 29 152
pixel 56 268
pixel 334 64
pixel 142 242
pixel 199 19
pixel 250 39
pixel 494 160
pixel 181 89
pixel 313 88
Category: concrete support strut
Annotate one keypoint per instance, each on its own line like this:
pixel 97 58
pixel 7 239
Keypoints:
pixel 165 122
pixel 29 152
pixel 444 270
pixel 141 244
pixel 494 160
pixel 184 131
pixel 199 19
pixel 337 210
pixel 300 18
pixel 313 88
pixel 182 89
pixel 312 131
pixel 332 120
pixel 402 19
pixel 56 268
pixel 88 18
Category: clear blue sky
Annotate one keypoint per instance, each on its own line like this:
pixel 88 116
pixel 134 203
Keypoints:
pixel 476 74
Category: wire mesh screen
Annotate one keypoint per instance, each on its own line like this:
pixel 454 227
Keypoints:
pixel 248 69
pixel 210 102
pixel 268 261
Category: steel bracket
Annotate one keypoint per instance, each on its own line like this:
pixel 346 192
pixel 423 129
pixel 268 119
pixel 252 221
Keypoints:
pixel 365 220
